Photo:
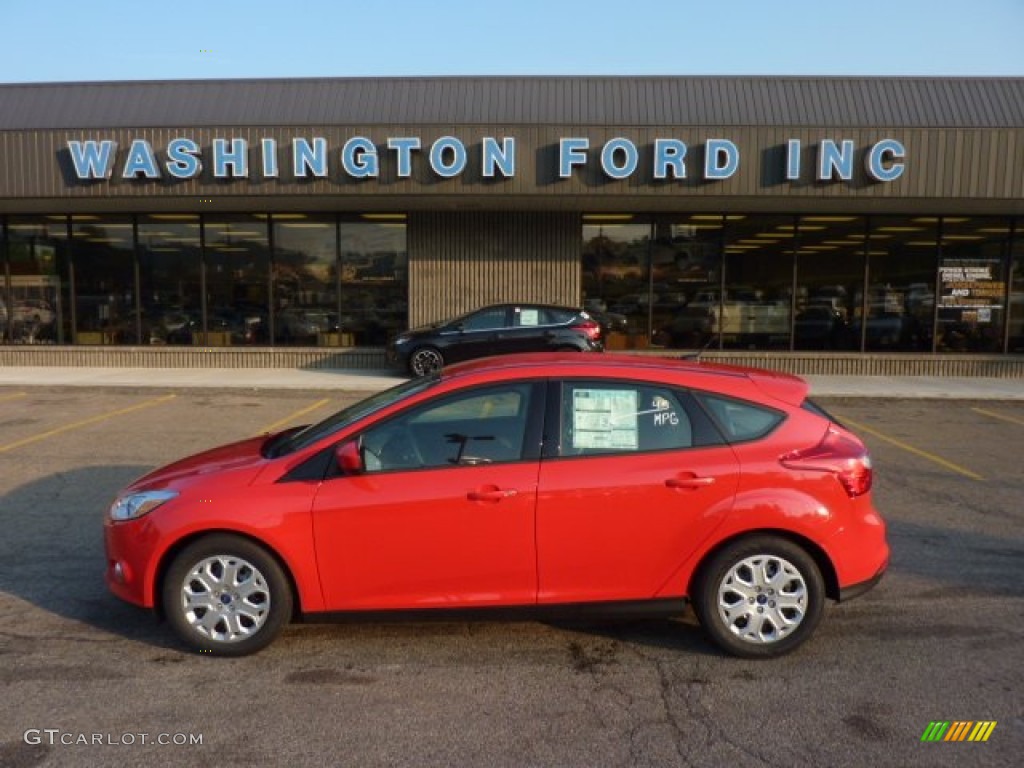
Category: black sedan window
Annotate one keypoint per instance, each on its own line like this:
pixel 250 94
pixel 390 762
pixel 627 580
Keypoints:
pixel 485 320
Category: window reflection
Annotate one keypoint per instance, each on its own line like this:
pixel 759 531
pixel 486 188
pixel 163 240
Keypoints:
pixel 374 278
pixel 1015 331
pixel 830 275
pixel 305 281
pixel 237 281
pixel 686 266
pixel 616 276
pixel 755 311
pixel 37 308
pixel 900 302
pixel 169 278
pixel 104 274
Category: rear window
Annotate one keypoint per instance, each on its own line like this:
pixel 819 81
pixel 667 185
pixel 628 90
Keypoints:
pixel 740 420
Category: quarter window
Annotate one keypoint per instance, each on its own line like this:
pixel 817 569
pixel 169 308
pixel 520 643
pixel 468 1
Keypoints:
pixel 740 420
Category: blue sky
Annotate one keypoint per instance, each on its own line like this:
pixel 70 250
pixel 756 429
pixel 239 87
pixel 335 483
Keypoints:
pixel 122 40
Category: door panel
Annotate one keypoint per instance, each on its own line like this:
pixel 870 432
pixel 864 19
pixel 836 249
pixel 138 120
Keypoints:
pixel 444 513
pixel 637 481
pixel 450 537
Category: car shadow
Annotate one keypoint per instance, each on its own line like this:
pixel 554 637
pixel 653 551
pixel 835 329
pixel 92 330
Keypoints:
pixel 52 551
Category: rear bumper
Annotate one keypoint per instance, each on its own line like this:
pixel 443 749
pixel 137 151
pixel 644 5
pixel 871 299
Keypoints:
pixel 856 590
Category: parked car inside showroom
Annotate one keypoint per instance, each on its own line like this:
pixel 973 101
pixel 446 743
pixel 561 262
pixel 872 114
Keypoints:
pixel 536 485
pixel 497 329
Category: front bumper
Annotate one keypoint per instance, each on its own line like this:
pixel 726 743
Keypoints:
pixel 127 571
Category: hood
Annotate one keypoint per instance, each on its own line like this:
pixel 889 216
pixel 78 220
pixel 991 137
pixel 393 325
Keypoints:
pixel 227 461
pixel 422 329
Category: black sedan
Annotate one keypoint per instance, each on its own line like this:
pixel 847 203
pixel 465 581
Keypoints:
pixel 497 329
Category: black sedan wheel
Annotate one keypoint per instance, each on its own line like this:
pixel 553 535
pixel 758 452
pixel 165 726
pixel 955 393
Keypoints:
pixel 760 597
pixel 226 595
pixel 424 361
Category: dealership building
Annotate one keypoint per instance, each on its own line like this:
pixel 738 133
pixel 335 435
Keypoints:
pixel 833 225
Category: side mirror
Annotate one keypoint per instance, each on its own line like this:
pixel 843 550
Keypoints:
pixel 350 458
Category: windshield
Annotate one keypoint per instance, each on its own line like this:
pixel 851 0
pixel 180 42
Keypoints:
pixel 295 441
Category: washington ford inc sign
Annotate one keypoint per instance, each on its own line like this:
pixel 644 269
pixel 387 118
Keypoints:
pixel 448 157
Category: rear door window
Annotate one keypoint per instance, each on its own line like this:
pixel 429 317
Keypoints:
pixel 603 417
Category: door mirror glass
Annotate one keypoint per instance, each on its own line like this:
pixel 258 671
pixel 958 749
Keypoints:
pixel 349 458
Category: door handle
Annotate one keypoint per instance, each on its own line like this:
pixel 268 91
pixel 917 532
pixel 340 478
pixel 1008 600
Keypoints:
pixel 492 494
pixel 690 483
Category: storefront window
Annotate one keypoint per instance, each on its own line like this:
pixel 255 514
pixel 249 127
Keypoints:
pixel 34 288
pixel 686 272
pixel 902 261
pixel 830 275
pixel 1015 329
pixel 972 284
pixel 305 280
pixel 104 280
pixel 169 278
pixel 616 273
pixel 374 278
pixel 237 256
pixel 756 309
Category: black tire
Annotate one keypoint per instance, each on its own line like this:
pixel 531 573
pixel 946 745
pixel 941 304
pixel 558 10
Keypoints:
pixel 567 348
pixel 751 575
pixel 424 361
pixel 247 610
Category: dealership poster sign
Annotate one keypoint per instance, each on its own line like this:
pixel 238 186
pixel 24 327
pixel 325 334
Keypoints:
pixel 970 289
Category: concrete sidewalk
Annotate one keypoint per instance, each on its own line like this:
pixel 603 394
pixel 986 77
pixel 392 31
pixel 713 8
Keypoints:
pixel 370 381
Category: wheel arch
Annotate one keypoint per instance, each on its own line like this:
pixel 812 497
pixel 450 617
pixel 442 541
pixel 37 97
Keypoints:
pixel 172 552
pixel 820 557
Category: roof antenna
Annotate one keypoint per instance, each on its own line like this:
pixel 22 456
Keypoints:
pixel 696 355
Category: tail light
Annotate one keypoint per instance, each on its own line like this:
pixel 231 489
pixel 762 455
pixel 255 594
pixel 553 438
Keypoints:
pixel 591 328
pixel 840 454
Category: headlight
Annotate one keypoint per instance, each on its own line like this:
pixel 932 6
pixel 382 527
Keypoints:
pixel 138 504
pixel 401 339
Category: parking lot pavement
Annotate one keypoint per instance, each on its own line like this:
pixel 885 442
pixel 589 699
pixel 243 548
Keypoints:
pixel 938 640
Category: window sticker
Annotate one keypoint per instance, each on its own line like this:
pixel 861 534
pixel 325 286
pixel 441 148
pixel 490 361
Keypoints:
pixel 605 419
pixel 529 317
pixel 663 413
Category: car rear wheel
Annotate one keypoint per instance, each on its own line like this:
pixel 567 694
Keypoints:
pixel 226 595
pixel 760 597
pixel 424 361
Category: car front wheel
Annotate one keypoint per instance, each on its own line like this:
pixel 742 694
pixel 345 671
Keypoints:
pixel 226 595
pixel 424 361
pixel 760 597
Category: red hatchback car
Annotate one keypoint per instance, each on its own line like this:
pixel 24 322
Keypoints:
pixel 546 483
